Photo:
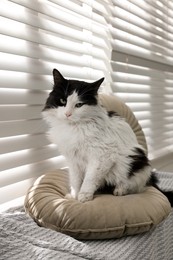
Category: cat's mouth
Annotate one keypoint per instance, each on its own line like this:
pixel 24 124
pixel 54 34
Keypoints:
pixel 72 119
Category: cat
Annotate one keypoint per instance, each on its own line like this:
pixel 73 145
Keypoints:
pixel 100 147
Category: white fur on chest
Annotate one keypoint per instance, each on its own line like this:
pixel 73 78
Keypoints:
pixel 67 137
pixel 96 137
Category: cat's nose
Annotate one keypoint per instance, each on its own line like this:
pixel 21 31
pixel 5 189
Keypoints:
pixel 68 114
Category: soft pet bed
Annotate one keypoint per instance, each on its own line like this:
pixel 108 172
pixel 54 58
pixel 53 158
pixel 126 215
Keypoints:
pixel 106 216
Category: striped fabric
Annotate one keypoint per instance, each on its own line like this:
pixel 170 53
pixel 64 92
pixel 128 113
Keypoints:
pixel 21 238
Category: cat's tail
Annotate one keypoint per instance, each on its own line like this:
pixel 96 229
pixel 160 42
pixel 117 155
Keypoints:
pixel 154 182
pixel 169 196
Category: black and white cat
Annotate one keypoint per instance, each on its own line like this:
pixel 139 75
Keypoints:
pixel 100 147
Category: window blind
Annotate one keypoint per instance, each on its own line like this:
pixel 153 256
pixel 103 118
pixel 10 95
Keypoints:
pixel 142 67
pixel 128 42
pixel 35 37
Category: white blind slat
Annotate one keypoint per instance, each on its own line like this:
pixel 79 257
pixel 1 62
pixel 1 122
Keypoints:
pixel 21 80
pixel 25 16
pixel 35 37
pixel 26 172
pixel 149 19
pixel 25 157
pixel 22 96
pixel 34 66
pixel 19 180
pixel 20 112
pixel 142 66
pixel 14 191
pixel 13 128
pixel 22 142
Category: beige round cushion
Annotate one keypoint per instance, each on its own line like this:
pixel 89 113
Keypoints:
pixel 106 216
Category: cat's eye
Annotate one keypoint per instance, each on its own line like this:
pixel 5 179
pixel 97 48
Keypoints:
pixel 79 104
pixel 63 101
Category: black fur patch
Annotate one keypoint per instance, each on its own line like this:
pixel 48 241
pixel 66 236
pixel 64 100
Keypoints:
pixel 139 161
pixel 105 189
pixel 153 181
pixel 112 113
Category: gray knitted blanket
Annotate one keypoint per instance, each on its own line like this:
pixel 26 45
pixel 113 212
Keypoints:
pixel 22 239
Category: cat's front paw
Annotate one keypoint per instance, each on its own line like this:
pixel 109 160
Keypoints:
pixel 120 191
pixel 69 196
pixel 85 196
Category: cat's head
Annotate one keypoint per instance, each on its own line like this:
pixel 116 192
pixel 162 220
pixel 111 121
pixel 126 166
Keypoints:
pixel 71 100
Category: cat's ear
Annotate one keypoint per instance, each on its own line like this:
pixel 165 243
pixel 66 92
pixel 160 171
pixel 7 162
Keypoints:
pixel 97 84
pixel 58 78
